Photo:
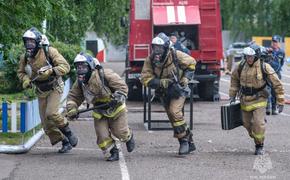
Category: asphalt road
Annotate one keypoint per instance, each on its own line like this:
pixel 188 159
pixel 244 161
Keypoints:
pixel 220 154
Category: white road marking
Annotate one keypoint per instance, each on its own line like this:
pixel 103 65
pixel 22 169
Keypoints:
pixel 122 162
pixel 225 80
pixel 123 167
pixel 172 151
pixel 286 84
pixel 284 75
pixel 78 149
pixel 224 94
pixel 285 114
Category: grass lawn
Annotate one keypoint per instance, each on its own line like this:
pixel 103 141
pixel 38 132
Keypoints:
pixel 17 138
pixel 17 97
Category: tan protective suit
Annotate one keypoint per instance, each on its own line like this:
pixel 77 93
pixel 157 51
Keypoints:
pixel 48 99
pixel 107 120
pixel 174 106
pixel 253 107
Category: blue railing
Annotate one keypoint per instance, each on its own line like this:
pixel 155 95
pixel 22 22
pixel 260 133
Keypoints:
pixel 27 113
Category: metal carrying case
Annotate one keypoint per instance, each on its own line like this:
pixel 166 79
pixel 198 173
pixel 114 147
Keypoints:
pixel 231 116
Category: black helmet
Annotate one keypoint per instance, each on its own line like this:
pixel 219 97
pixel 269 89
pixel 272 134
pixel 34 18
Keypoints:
pixel 276 38
pixel 31 39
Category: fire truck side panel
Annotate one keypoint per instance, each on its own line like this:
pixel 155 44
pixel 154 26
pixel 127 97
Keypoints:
pixel 208 44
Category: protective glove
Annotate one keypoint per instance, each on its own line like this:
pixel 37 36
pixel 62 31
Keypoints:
pixel 184 81
pixel 165 83
pixel 232 100
pixel 154 83
pixel 26 83
pixel 280 108
pixel 72 113
pixel 119 97
pixel 45 74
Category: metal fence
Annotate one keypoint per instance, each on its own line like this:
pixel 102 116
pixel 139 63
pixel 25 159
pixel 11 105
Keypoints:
pixel 24 116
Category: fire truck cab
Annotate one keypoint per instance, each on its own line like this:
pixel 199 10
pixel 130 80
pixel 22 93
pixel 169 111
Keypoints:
pixel 197 23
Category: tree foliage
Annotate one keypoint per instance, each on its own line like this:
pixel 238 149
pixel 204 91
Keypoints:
pixel 67 20
pixel 256 17
pixel 9 82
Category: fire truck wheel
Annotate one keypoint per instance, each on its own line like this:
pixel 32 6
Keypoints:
pixel 209 91
pixel 135 91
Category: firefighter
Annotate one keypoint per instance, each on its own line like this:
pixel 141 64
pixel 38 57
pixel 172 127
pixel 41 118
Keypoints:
pixel 43 66
pixel 249 79
pixel 158 73
pixel 105 90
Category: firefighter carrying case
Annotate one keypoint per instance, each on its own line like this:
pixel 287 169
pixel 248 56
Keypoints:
pixel 231 116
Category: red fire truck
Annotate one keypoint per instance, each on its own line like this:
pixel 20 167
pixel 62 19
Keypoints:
pixel 196 21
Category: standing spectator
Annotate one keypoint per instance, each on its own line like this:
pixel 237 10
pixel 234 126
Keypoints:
pixel 177 45
pixel 186 41
pixel 277 64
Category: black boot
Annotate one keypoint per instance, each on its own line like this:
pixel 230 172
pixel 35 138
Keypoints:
pixel 184 146
pixel 66 146
pixel 191 143
pixel 275 111
pixel 114 154
pixel 130 144
pixel 259 149
pixel 191 146
pixel 268 112
pixel 73 140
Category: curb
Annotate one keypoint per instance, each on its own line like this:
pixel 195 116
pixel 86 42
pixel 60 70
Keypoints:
pixel 24 148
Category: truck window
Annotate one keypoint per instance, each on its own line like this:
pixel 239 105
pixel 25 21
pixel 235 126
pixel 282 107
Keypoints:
pixel 142 9
pixel 187 34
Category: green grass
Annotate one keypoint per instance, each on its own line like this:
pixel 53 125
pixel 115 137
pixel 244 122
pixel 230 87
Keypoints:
pixel 16 97
pixel 12 97
pixel 17 138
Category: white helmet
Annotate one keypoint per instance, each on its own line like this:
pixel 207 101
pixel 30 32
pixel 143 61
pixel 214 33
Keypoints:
pixel 158 41
pixel 97 62
pixel 85 58
pixel 31 39
pixel 32 33
pixel 249 51
pixel 44 40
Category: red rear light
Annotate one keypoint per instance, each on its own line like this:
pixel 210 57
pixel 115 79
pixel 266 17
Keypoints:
pixel 136 69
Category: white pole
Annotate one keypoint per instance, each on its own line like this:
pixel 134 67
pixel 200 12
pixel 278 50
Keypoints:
pixel 44 25
pixel 13 117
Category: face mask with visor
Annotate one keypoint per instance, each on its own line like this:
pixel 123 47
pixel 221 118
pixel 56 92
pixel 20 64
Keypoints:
pixel 83 72
pixel 31 47
pixel 158 53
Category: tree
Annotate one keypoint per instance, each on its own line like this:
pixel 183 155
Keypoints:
pixel 67 20
pixel 17 16
pixel 256 17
